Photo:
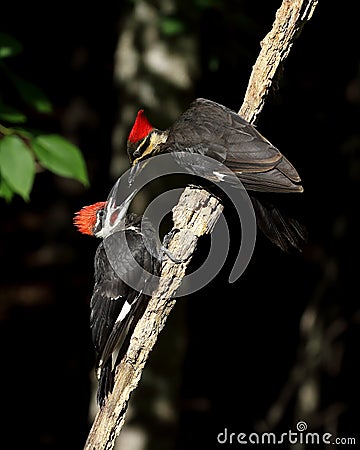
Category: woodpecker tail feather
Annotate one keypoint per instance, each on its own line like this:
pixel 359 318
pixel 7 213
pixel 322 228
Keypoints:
pixel 285 232
pixel 106 382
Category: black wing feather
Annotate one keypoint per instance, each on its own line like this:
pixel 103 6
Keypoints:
pixel 111 295
pixel 283 231
pixel 211 129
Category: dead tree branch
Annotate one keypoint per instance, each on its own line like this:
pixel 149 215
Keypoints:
pixel 275 47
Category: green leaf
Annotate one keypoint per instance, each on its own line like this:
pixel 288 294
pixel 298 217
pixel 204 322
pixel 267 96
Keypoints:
pixel 60 156
pixel 9 46
pixel 171 26
pixel 5 190
pixel 31 94
pixel 12 115
pixel 17 165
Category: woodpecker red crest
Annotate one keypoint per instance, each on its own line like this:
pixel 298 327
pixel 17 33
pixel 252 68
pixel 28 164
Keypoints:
pixel 104 218
pixel 86 219
pixel 141 128
pixel 144 140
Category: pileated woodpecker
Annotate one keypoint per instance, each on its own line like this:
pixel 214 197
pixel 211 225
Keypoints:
pixel 210 129
pixel 115 306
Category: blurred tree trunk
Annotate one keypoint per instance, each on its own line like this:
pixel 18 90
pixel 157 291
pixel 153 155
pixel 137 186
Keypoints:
pixel 156 66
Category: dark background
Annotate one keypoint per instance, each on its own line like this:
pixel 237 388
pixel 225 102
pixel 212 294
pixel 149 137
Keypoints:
pixel 285 335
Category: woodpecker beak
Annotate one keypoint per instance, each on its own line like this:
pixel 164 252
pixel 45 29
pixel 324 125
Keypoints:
pixel 114 215
pixel 136 169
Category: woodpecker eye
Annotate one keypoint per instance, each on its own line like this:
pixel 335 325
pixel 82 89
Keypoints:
pixel 100 215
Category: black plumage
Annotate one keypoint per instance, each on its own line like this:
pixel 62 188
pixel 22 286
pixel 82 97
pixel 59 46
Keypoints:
pixel 115 306
pixel 209 129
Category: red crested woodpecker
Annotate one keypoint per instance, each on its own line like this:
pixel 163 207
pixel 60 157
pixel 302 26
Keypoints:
pixel 210 129
pixel 115 307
